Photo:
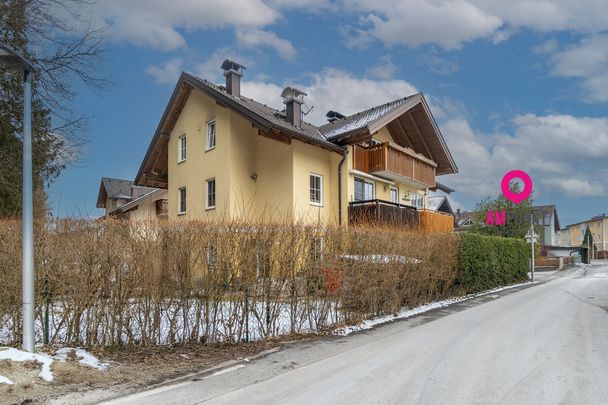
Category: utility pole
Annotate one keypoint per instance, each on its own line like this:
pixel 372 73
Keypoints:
pixel 531 237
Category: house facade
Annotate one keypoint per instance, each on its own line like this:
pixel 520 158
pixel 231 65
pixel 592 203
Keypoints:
pixel 220 154
pixel 598 226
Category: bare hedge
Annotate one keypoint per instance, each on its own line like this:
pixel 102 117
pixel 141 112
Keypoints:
pixel 113 283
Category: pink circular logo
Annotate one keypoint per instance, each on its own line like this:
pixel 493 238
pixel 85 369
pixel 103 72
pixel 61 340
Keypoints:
pixel 506 191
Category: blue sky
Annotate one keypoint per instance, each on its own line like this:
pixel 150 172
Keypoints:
pixel 517 86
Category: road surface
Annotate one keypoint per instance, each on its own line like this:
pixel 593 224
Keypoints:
pixel 545 344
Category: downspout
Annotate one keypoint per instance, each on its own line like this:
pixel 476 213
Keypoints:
pixel 344 153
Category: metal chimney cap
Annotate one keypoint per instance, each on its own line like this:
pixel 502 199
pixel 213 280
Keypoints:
pixel 11 58
pixel 232 65
pixel 292 93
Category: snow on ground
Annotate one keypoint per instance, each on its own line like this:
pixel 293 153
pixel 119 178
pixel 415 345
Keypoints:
pixel 85 357
pixel 409 312
pixel 4 380
pixel 12 354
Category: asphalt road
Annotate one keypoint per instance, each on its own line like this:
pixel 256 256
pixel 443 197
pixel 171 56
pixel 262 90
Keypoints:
pixel 545 344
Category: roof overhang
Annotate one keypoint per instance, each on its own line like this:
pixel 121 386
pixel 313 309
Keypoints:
pixel 153 171
pixel 413 126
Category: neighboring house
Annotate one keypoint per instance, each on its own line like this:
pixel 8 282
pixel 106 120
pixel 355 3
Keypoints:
pixel 547 217
pixel 464 220
pixel 220 154
pixel 122 199
pixel 598 226
pixel 440 203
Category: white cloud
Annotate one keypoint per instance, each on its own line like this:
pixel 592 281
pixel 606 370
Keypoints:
pixel 253 38
pixel 332 89
pixel 438 64
pixel 451 23
pixel 417 22
pixel 563 154
pixel 385 69
pixel 156 23
pixel 587 61
pixel 168 73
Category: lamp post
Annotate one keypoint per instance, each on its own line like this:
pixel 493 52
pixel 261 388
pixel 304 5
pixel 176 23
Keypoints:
pixel 10 58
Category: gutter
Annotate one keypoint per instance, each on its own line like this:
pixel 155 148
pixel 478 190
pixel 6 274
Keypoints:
pixel 344 153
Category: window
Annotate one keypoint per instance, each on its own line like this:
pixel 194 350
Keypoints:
pixel 210 193
pixel 210 135
pixel 394 195
pixel 316 189
pixel 364 190
pixel 182 200
pixel 182 148
pixel 418 200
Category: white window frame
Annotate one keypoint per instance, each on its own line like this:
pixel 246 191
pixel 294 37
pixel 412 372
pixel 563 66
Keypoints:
pixel 182 149
pixel 207 183
pixel 396 199
pixel 180 200
pixel 320 189
pixel 365 182
pixel 209 137
pixel 418 200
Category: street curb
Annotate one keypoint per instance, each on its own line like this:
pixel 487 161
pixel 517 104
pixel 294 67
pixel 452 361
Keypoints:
pixel 199 375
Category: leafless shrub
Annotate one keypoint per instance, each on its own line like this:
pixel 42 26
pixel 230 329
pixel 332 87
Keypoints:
pixel 113 283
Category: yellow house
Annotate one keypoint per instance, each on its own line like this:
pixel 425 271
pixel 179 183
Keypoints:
pixel 598 226
pixel 220 154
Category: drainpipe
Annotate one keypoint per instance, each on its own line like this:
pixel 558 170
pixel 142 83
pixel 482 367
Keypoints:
pixel 344 153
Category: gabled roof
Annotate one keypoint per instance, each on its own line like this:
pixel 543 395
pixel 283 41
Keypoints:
pixel 410 122
pixel 546 212
pixel 361 120
pixel 408 119
pixel 436 203
pixel 116 189
pixel 156 192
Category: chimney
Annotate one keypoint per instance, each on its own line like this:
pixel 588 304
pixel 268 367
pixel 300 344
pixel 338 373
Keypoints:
pixel 293 100
pixel 333 116
pixel 233 72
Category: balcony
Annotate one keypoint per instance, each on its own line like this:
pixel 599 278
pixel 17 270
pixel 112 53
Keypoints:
pixel 398 165
pixel 379 212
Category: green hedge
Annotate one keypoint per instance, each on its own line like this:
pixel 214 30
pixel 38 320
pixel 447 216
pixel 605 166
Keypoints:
pixel 486 262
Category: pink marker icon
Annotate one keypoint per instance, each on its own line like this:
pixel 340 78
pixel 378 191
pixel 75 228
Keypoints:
pixel 506 191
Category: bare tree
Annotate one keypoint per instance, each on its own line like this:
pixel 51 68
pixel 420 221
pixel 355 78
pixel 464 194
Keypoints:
pixel 62 40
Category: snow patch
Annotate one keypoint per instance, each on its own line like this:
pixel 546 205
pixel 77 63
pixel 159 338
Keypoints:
pixel 4 380
pixel 409 312
pixel 12 354
pixel 85 357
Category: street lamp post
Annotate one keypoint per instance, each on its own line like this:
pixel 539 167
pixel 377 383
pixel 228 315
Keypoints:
pixel 10 58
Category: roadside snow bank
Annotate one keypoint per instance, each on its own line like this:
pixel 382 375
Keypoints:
pixel 12 354
pixel 85 357
pixel 409 312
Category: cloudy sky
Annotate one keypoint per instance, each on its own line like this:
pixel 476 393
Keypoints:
pixel 513 84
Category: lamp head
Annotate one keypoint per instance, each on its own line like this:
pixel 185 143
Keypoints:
pixel 10 58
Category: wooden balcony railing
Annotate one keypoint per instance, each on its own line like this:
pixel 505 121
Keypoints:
pixel 382 213
pixel 388 161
